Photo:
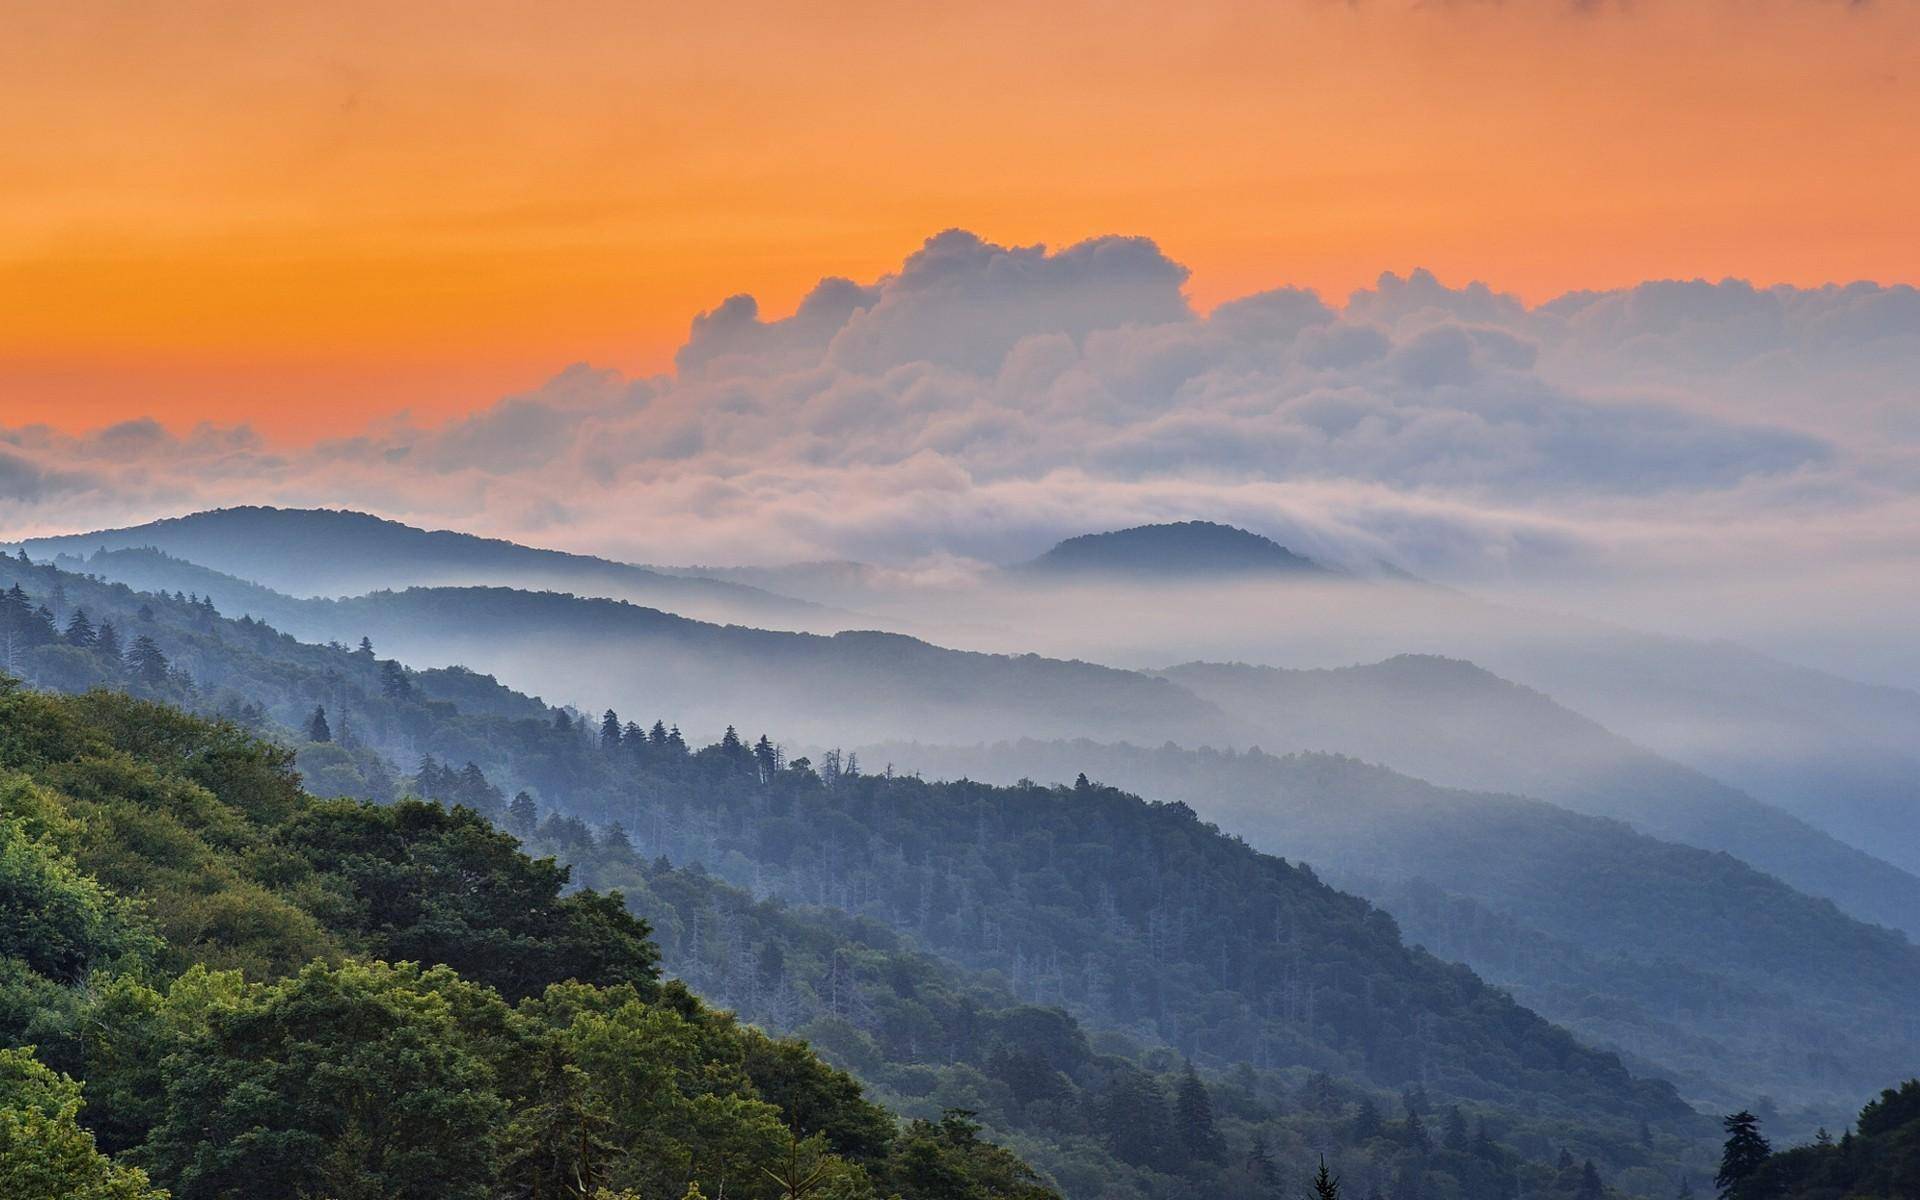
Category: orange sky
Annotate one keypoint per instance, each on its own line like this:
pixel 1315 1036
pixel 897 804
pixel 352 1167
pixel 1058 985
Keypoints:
pixel 307 215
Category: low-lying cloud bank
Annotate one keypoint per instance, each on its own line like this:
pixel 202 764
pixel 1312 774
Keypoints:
pixel 985 400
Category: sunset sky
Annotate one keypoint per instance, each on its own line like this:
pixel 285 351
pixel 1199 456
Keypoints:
pixel 307 216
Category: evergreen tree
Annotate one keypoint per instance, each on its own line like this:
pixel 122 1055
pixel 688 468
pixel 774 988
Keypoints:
pixel 1590 1186
pixel 108 641
pixel 146 661
pixel 394 684
pixel 80 631
pixel 610 731
pixel 366 648
pixel 1415 1131
pixel 1136 1119
pixel 317 728
pixel 1326 1185
pixel 1454 1130
pixel 657 736
pixel 1366 1120
pixel 1260 1162
pixel 730 744
pixel 522 815
pixel 1743 1154
pixel 617 841
pixel 1193 1119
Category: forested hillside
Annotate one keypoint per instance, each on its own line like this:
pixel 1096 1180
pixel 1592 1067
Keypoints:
pixel 708 675
pixel 1457 724
pixel 1880 1156
pixel 336 552
pixel 1691 960
pixel 1335 991
pixel 265 994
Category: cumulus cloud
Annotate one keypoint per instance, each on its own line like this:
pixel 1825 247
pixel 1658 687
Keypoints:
pixel 986 399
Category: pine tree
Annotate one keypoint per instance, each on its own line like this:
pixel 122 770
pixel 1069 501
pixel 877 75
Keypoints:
pixel 1745 1151
pixel 1326 1185
pixel 80 631
pixel 366 648
pixel 522 815
pixel 1193 1119
pixel 1590 1186
pixel 108 641
pixel 146 661
pixel 317 728
pixel 394 684
pixel 610 731
pixel 730 743
pixel 1260 1162
pixel 1366 1120
pixel 1415 1131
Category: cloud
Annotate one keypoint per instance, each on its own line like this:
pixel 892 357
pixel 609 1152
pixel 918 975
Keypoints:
pixel 986 399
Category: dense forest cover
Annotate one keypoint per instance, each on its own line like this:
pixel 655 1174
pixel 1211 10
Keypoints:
pixel 1263 964
pixel 1455 723
pixel 213 984
pixel 1879 1157
pixel 1680 957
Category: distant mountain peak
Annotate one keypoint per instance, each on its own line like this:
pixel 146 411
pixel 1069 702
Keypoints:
pixel 1180 548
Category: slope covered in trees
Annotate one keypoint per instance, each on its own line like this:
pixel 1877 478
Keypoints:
pixel 671 801
pixel 265 994
pixel 1183 550
pixel 334 552
pixel 1724 977
pixel 1879 1156
pixel 1457 724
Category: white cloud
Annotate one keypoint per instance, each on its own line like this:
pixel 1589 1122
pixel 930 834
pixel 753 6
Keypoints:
pixel 985 400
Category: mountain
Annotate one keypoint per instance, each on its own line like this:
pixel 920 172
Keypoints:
pixel 1181 550
pixel 1120 897
pixel 268 994
pixel 329 552
pixel 602 653
pixel 1457 724
pixel 1688 960
pixel 1438 719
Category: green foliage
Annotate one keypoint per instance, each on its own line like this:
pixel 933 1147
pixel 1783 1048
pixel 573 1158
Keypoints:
pixel 349 1075
pixel 45 1154
pixel 1880 1158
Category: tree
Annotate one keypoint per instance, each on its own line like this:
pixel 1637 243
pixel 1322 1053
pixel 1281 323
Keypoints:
pixel 317 728
pixel 522 814
pixel 610 731
pixel 1326 1186
pixel 45 1154
pixel 339 1081
pixel 366 648
pixel 1366 1120
pixel 80 631
pixel 146 661
pixel 1193 1119
pixel 108 641
pixel 1260 1162
pixel 1743 1154
pixel 1590 1186
pixel 394 684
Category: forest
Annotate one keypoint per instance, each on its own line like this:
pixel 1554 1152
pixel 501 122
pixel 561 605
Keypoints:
pixel 214 985
pixel 1132 1001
